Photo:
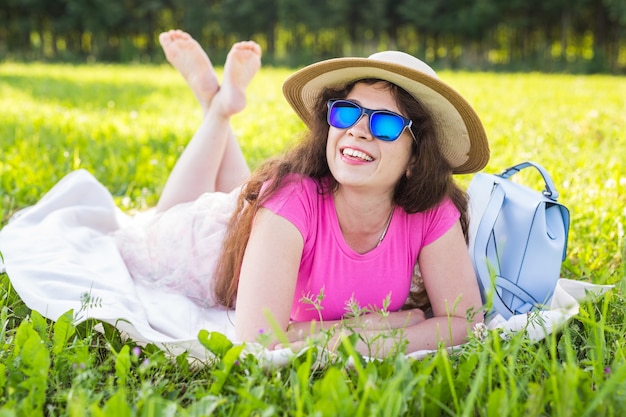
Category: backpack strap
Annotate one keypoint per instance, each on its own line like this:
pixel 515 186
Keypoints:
pixel 550 190
pixel 483 269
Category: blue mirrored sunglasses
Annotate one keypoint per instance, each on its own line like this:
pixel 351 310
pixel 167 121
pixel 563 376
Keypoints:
pixel 384 124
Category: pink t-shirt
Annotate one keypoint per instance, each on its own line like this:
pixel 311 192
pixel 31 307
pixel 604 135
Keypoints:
pixel 330 266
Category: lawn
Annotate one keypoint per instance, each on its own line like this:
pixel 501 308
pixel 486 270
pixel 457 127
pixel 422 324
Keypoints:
pixel 128 124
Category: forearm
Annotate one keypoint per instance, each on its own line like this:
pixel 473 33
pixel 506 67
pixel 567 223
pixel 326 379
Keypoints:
pixel 420 335
pixel 426 335
pixel 197 167
pixel 376 321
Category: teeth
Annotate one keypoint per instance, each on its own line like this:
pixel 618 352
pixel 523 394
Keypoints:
pixel 357 154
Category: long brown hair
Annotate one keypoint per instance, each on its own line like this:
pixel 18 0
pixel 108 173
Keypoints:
pixel 428 182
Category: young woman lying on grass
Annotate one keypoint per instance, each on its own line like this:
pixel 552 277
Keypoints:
pixel 340 223
pixel 346 214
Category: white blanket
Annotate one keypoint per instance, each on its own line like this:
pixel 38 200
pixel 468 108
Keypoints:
pixel 59 256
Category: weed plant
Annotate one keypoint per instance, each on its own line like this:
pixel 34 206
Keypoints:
pixel 128 124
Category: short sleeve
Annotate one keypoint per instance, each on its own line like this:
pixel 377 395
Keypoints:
pixel 439 220
pixel 296 201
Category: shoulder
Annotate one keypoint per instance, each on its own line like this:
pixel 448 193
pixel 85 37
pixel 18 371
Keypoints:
pixel 434 222
pixel 443 209
pixel 299 199
pixel 292 186
pixel 301 183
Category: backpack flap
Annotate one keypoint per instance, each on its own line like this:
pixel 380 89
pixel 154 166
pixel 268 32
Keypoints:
pixel 518 239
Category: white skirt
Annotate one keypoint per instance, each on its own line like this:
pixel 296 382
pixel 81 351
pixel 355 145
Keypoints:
pixel 178 249
pixel 76 251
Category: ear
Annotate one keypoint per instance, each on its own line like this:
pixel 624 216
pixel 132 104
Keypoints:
pixel 412 161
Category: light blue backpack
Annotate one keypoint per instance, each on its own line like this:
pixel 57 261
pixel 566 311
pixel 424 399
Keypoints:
pixel 517 240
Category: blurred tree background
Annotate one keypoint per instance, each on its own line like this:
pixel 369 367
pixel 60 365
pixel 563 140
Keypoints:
pixel 584 36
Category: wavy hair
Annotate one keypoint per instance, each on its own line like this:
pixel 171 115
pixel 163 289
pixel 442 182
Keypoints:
pixel 428 182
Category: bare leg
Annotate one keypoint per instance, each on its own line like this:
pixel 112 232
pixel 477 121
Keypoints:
pixel 212 160
pixel 234 169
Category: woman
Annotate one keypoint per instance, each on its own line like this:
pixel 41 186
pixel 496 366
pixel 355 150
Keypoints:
pixel 343 218
pixel 337 226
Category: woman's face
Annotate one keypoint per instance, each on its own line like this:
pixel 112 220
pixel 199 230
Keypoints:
pixel 358 159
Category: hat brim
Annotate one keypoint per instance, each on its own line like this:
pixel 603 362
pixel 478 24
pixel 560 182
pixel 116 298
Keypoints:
pixel 460 133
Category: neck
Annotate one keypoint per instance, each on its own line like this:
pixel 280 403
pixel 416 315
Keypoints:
pixel 363 221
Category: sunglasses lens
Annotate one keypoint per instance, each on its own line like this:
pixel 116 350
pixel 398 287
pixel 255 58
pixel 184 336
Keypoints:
pixel 343 114
pixel 386 126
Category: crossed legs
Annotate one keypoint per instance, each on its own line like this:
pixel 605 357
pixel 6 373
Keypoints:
pixel 212 161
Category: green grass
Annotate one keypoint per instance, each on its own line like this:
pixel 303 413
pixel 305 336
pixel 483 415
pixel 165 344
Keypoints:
pixel 128 124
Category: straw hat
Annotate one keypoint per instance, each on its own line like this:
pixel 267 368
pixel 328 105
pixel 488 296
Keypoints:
pixel 460 133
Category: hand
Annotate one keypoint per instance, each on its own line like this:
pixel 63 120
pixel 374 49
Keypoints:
pixel 387 321
pixel 328 340
pixel 408 318
pixel 370 326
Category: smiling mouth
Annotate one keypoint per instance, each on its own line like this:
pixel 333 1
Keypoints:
pixel 353 153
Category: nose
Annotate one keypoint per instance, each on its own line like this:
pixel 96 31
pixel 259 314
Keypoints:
pixel 361 129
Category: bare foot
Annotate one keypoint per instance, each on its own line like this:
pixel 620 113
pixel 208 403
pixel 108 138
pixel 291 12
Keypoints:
pixel 188 57
pixel 242 63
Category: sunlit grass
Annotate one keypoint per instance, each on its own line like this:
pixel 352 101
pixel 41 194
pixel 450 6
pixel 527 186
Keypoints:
pixel 128 124
pixel 574 126
pixel 125 125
